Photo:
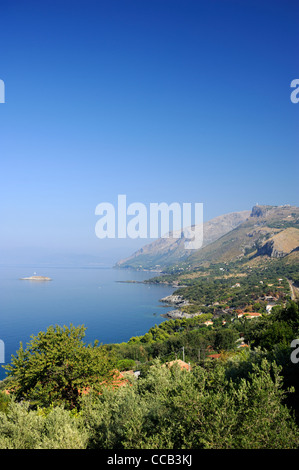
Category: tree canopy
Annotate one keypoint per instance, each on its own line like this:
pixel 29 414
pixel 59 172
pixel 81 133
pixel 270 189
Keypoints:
pixel 56 365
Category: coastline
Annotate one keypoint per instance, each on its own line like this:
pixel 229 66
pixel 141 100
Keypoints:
pixel 170 300
pixel 176 314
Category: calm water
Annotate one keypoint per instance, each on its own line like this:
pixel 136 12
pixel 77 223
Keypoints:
pixel 111 311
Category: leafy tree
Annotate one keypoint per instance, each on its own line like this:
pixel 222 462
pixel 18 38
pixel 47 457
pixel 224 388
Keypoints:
pixel 279 332
pixel 279 328
pixel 290 314
pixel 57 365
pixel 225 339
pixel 126 364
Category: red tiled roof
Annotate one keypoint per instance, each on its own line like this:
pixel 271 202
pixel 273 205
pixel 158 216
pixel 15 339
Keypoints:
pixel 118 380
pixel 253 314
pixel 182 364
pixel 214 356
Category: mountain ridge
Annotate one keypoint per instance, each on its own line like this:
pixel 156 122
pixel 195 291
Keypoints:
pixel 167 251
pixel 230 237
pixel 250 239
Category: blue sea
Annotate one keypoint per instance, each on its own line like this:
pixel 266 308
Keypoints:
pixel 111 311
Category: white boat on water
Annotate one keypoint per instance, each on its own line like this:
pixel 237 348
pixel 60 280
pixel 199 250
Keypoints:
pixel 36 278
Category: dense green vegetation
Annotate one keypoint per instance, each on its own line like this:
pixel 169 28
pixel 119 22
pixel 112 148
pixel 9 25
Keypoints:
pixel 166 409
pixel 247 399
pixel 233 285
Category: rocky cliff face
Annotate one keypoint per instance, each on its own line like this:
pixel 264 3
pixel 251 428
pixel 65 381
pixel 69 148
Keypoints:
pixel 253 237
pixel 259 211
pixel 281 244
pixel 269 249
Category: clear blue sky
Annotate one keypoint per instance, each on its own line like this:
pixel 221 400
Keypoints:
pixel 161 100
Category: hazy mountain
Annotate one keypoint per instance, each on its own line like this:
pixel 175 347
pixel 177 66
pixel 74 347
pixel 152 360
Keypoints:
pixel 168 251
pixel 265 231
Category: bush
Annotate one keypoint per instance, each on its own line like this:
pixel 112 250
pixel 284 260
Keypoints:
pixel 126 364
pixel 22 428
pixel 176 409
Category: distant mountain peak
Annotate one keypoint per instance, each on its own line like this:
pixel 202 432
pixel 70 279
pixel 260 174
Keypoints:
pixel 258 211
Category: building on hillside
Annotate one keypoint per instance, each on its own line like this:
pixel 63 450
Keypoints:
pixel 243 345
pixel 249 315
pixel 268 298
pixel 252 314
pixel 240 340
pixel 270 306
pixel 130 373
